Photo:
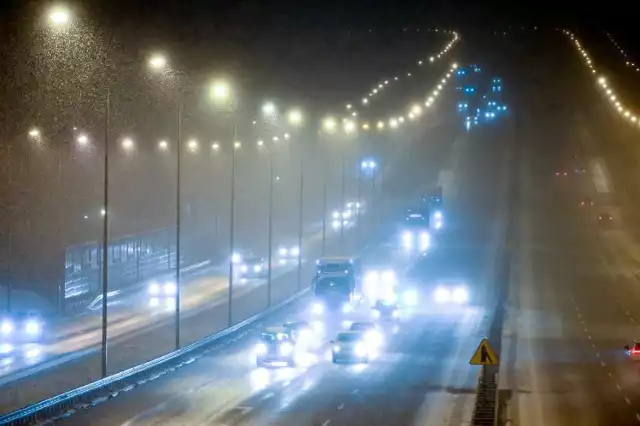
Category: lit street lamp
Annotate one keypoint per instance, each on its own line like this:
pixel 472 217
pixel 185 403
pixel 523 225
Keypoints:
pixel 59 16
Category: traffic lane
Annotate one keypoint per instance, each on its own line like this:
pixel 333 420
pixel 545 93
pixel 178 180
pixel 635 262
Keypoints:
pixel 553 374
pixel 389 382
pixel 389 390
pixel 147 404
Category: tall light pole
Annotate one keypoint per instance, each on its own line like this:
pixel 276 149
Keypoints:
pixel 349 128
pixel 295 118
pixel 329 126
pixel 221 94
pixel 269 112
pixel 158 63
pixel 105 235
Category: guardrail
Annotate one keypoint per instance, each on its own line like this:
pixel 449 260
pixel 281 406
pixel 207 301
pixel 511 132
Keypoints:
pixel 485 412
pixel 67 403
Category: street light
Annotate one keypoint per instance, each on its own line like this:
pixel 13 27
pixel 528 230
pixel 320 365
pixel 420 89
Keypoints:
pixel 82 140
pixel 269 109
pixel 295 117
pixel 158 62
pixel 127 144
pixel 220 91
pixel 192 145
pixel 34 133
pixel 163 145
pixel 59 16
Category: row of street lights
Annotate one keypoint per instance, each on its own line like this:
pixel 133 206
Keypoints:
pixel 222 95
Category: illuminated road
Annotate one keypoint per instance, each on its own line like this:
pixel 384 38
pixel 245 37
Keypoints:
pixel 573 299
pixel 421 375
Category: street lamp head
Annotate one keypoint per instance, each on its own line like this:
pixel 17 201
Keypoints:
pixel 220 91
pixel 329 124
pixel 192 145
pixel 380 125
pixel 163 145
pixel 127 143
pixel 237 145
pixel 83 140
pixel 158 62
pixel 34 133
pixel 269 109
pixel 349 126
pixel 215 146
pixel 365 101
pixel 348 106
pixel 59 16
pixel 287 136
pixel 260 142
pixel 295 117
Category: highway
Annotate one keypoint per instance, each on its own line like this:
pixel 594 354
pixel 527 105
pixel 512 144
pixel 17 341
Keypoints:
pixel 573 290
pixel 141 328
pixel 421 375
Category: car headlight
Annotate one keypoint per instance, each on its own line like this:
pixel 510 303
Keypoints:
pixel 442 295
pixel 317 308
pixel 336 348
pixel 294 252
pixel 336 215
pixel 154 289
pixel 282 251
pixel 374 337
pixel 244 268
pixel 438 214
pixel 410 297
pixel 388 277
pixel 407 238
pixel 346 308
pixel 257 268
pixel 372 278
pixel 336 224
pixel 346 215
pixel 360 350
pixel 236 258
pixel 32 327
pixel 6 327
pixel 170 289
pixel 260 349
pixel 375 313
pixel 286 349
pixel 460 295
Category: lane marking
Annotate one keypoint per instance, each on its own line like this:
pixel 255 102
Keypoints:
pixel 627 400
pixel 618 387
pixel 326 422
pixel 340 407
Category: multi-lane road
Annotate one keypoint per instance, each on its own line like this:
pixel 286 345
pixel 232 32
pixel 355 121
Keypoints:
pixel 554 290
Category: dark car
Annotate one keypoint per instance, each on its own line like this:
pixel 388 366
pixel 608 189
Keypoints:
pixel 605 219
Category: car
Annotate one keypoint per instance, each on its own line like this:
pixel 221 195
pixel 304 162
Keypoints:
pixel 580 170
pixel 299 331
pixel 288 254
pixel 22 327
pixel 162 289
pixel 275 348
pixel 561 173
pixel 350 346
pixel 633 350
pixel 371 333
pixel 388 308
pixel 451 293
pixel 605 219
pixel 254 267
pixel 586 202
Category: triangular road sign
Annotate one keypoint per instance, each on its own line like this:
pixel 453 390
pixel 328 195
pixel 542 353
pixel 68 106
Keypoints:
pixel 484 355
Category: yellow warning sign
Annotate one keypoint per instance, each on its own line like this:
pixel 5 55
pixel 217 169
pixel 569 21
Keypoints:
pixel 484 355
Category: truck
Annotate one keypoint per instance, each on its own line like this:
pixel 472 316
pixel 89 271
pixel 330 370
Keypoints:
pixel 335 284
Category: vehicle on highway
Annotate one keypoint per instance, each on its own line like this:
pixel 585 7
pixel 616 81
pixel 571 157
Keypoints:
pixel 300 332
pixel 586 202
pixel 451 293
pixel 580 170
pixel 350 346
pixel 372 334
pixel 22 327
pixel 157 289
pixel 379 283
pixel 254 267
pixel 386 309
pixel 561 173
pixel 605 219
pixel 287 254
pixel 633 350
pixel 416 231
pixel 275 348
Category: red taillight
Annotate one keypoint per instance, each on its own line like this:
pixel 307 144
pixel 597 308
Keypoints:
pixel 635 351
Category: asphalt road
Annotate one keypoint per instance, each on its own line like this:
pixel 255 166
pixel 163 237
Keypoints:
pixel 573 294
pixel 421 375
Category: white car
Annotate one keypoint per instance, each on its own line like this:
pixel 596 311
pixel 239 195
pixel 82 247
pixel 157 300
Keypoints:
pixel 350 347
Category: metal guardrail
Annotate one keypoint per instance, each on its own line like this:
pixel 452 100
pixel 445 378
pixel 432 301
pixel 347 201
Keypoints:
pixel 109 386
pixel 486 410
